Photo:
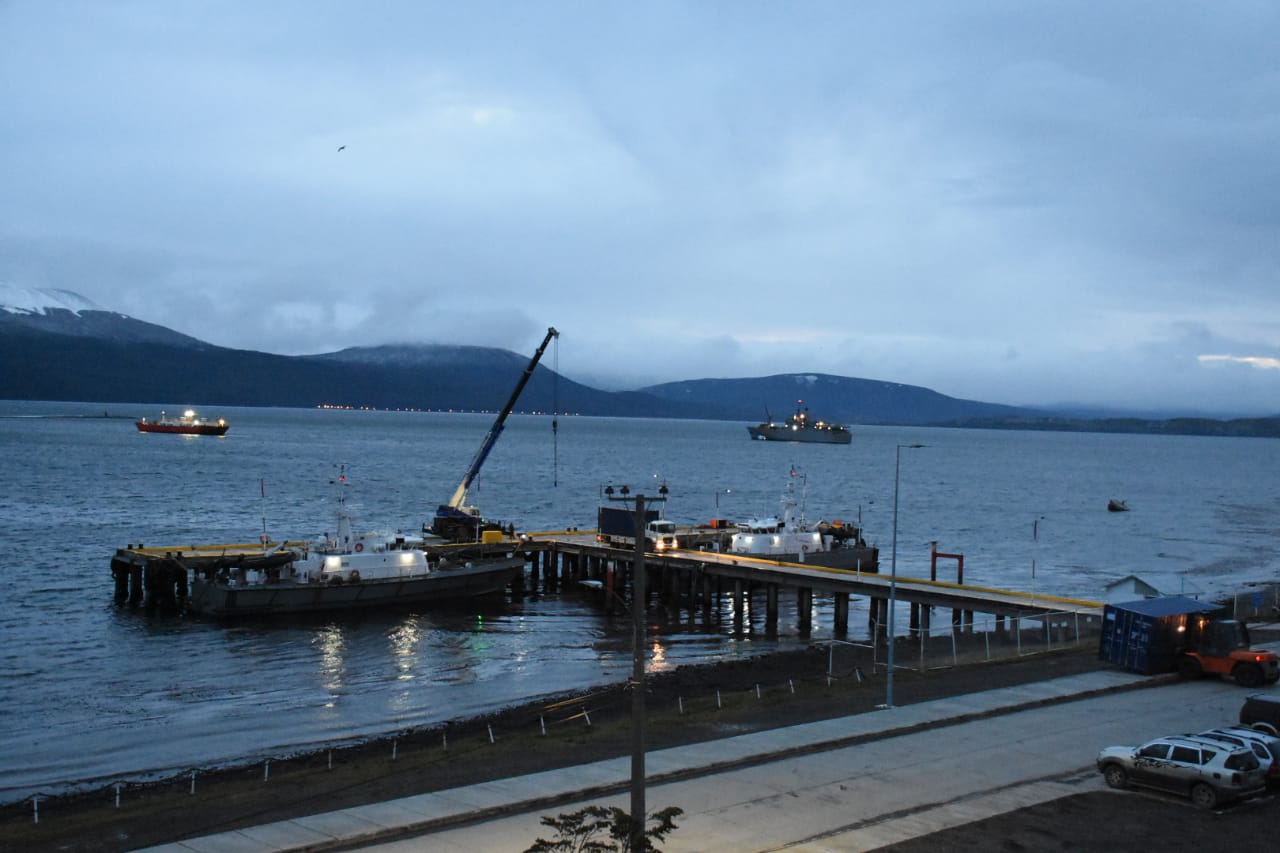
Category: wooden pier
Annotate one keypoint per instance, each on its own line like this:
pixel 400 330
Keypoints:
pixel 699 577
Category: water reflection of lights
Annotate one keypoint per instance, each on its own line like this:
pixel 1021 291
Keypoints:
pixel 333 665
pixel 406 641
pixel 521 635
pixel 658 659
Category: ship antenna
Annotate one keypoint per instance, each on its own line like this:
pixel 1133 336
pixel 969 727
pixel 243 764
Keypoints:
pixel 804 499
pixel 343 534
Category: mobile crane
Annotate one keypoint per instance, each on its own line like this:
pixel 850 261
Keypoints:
pixel 455 520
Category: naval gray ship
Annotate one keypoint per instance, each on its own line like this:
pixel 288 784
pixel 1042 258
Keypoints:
pixel 800 427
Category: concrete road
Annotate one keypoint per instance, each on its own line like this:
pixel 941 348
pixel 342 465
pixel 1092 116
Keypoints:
pixel 866 796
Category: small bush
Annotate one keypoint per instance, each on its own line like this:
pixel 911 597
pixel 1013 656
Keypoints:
pixel 582 831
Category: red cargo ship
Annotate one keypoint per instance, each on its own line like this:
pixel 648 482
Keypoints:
pixel 188 424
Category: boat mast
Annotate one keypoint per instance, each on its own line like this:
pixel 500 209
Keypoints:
pixel 342 534
pixel 789 502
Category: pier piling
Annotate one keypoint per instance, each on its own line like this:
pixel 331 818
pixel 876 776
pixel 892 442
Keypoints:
pixel 696 579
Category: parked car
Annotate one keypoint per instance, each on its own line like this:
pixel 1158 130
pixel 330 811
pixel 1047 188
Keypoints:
pixel 1209 772
pixel 1264 746
pixel 1261 711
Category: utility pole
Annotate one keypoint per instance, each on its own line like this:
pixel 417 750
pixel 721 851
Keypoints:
pixel 638 643
pixel 637 684
pixel 893 572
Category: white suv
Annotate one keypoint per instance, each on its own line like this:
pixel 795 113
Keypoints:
pixel 1266 747
pixel 1209 772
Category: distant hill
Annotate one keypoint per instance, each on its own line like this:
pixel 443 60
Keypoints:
pixel 831 398
pixel 43 366
pixel 57 345
pixel 1235 427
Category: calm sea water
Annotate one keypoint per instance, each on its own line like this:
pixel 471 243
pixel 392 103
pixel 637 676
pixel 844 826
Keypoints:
pixel 95 693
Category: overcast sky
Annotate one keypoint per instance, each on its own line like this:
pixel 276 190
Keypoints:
pixel 1025 203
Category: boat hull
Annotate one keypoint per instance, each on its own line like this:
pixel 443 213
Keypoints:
pixel 809 435
pixel 224 600
pixel 864 558
pixel 184 429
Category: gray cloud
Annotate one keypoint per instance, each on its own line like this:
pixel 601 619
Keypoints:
pixel 1024 204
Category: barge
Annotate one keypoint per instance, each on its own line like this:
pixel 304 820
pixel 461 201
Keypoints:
pixel 244 580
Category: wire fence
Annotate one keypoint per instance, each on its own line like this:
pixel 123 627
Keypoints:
pixel 1261 604
pixel 554 730
pixel 981 639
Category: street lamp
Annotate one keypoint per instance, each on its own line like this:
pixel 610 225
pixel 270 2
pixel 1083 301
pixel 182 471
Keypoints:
pixel 638 596
pixel 893 570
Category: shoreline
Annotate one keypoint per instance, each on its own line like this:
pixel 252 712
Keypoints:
pixel 688 704
pixel 693 703
pixel 512 718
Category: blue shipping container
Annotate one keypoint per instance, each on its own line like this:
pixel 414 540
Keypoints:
pixel 1146 636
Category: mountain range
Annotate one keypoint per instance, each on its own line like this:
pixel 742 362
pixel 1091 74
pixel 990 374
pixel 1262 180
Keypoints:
pixel 57 345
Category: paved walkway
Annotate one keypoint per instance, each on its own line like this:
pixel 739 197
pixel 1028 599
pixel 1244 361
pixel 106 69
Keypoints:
pixel 394 819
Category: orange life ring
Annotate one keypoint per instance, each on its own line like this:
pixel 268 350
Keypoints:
pixel 359 547
pixel 354 577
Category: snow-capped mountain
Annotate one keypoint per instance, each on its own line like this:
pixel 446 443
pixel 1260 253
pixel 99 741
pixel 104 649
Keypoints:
pixel 58 345
pixel 25 300
pixel 64 312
